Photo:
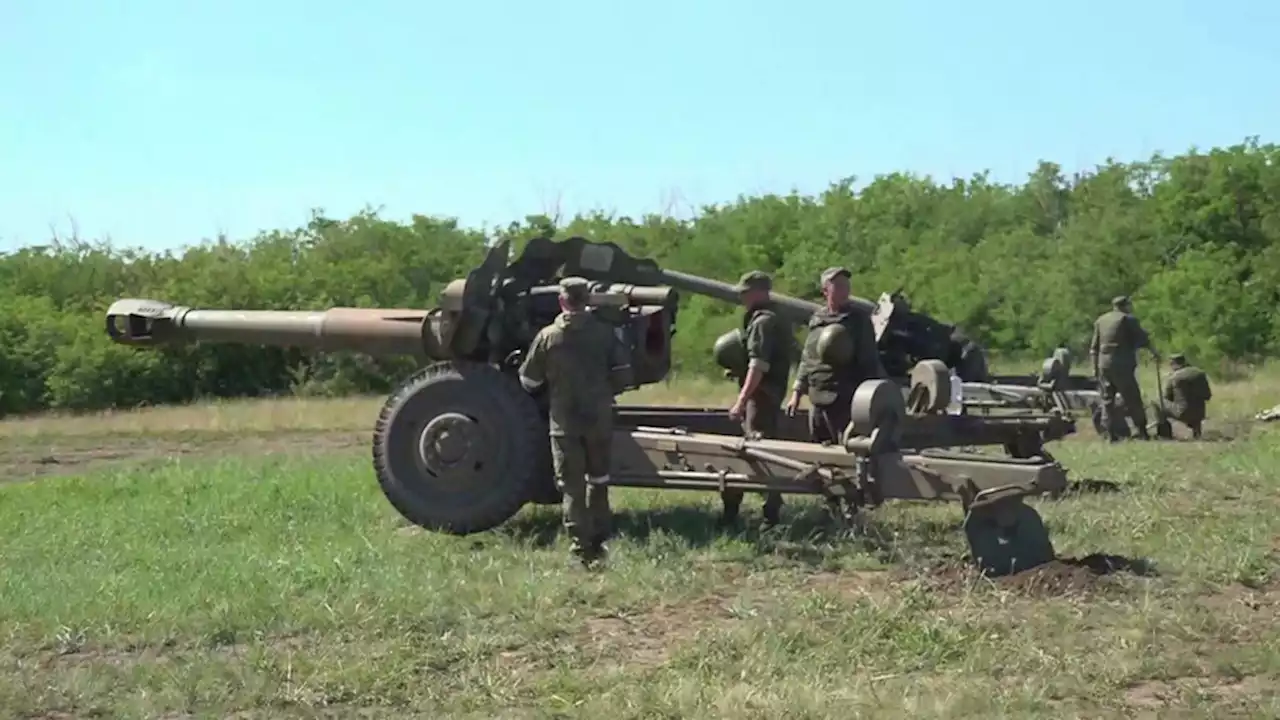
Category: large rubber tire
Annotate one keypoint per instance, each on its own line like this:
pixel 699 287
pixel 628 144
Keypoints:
pixel 458 447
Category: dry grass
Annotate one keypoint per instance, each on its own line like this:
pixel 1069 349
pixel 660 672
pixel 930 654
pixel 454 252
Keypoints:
pixel 290 414
pixel 245 570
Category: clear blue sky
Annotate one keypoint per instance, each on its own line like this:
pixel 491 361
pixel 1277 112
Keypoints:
pixel 161 122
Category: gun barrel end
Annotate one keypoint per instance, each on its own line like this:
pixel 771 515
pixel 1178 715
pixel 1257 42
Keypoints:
pixel 142 323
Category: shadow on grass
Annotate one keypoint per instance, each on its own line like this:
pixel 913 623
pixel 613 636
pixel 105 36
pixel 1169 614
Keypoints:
pixel 1091 486
pixel 806 534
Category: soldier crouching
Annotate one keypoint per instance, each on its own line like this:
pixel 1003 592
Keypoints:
pixel 1186 394
pixel 581 363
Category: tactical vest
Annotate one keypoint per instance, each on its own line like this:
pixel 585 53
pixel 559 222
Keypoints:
pixel 828 382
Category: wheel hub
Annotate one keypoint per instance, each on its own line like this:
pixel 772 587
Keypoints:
pixel 447 442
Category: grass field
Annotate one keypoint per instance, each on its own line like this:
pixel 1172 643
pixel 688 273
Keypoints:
pixel 238 560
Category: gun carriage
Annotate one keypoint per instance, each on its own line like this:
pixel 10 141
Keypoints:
pixel 460 446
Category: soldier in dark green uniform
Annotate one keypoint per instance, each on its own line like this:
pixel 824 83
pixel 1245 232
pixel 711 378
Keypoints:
pixel 839 354
pixel 1117 337
pixel 581 362
pixel 1186 393
pixel 769 344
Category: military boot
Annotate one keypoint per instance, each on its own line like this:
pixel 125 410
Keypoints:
pixel 598 550
pixel 730 515
pixel 772 510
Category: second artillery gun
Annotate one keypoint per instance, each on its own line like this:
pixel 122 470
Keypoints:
pixel 906 337
pixel 460 447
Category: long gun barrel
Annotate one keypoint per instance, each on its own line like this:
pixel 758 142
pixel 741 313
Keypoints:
pixel 147 323
pixel 794 309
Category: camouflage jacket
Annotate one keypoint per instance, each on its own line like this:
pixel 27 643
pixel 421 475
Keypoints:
pixel 1117 336
pixel 1186 391
pixel 771 348
pixel 573 357
pixel 824 383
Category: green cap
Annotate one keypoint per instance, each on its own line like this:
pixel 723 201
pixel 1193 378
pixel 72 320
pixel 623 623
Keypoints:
pixel 832 273
pixel 1178 359
pixel 576 289
pixel 755 280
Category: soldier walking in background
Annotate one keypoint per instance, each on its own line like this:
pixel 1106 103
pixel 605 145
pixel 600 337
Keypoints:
pixel 769 344
pixel 1186 392
pixel 839 354
pixel 580 362
pixel 1117 337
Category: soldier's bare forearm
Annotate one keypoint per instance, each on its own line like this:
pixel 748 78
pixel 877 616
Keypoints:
pixel 751 383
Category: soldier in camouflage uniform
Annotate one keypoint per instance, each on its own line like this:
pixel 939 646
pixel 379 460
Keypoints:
pixel 579 359
pixel 769 344
pixel 839 354
pixel 1186 393
pixel 1117 337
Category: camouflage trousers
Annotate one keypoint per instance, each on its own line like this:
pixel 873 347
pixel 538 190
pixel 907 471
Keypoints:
pixel 1193 420
pixel 761 416
pixel 578 458
pixel 1121 382
pixel 827 422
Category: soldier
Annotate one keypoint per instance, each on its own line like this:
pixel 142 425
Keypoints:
pixel 839 354
pixel 1117 336
pixel 581 362
pixel 769 344
pixel 1186 393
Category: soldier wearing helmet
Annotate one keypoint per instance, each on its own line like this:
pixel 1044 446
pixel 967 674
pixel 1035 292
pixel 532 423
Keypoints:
pixel 769 344
pixel 1117 337
pixel 839 354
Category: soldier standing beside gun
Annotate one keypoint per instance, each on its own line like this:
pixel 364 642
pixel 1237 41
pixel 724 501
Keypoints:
pixel 1117 337
pixel 839 354
pixel 581 362
pixel 769 345
pixel 1186 393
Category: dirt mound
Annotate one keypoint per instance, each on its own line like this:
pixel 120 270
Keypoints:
pixel 1063 576
pixel 1066 576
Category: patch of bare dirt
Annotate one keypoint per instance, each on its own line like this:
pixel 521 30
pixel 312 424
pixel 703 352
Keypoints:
pixel 647 639
pixel 1244 599
pixel 856 583
pixel 1063 576
pixel 60 456
pixel 1171 693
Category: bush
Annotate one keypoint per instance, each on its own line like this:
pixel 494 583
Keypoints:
pixel 1194 238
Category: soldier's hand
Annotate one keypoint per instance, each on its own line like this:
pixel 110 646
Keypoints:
pixel 793 404
pixel 736 412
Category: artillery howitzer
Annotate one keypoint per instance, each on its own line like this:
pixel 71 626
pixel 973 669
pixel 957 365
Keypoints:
pixel 460 447
pixel 905 338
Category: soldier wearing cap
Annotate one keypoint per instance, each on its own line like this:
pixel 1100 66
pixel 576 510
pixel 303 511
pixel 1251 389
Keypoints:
pixel 1186 393
pixel 582 364
pixel 1117 337
pixel 839 354
pixel 769 344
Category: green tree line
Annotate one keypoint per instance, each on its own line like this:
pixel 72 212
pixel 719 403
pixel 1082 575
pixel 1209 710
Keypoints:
pixel 1194 238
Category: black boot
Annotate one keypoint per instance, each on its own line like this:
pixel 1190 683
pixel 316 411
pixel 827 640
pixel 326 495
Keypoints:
pixel 772 510
pixel 729 516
